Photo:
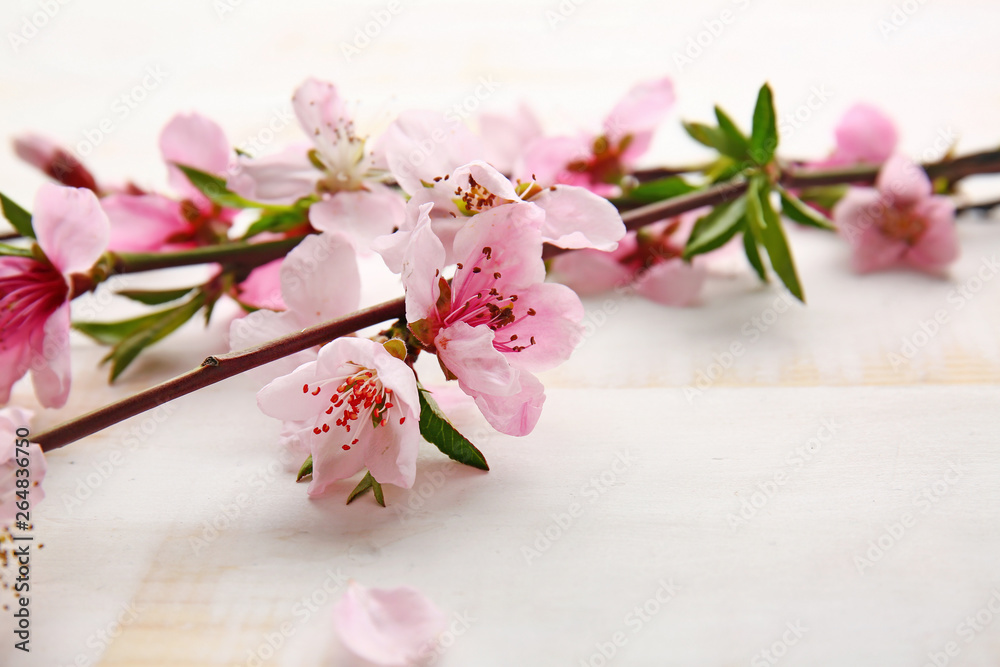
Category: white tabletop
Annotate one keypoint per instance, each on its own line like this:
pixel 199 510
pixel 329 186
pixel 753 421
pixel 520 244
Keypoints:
pixel 828 496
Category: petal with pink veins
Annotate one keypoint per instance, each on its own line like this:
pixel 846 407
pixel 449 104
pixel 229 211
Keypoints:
pixel 547 336
pixel 420 145
pixel 72 229
pixel 469 353
pixel 638 114
pixel 320 279
pixel 50 360
pixel 671 283
pixel 281 178
pixel 589 272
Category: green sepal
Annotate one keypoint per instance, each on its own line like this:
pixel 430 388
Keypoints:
pixel 367 482
pixel 439 431
pixel 17 216
pixel 306 469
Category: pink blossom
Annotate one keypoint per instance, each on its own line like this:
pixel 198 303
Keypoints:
pixel 505 136
pixel 899 222
pixel 11 420
pixel 355 407
pixel 72 233
pixel 54 161
pixel 648 262
pixel 392 627
pixel 598 162
pixel 569 217
pixel 864 135
pixel 336 168
pixel 150 222
pixel 498 321
pixel 319 281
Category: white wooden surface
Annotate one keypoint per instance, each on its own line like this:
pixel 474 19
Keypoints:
pixel 638 479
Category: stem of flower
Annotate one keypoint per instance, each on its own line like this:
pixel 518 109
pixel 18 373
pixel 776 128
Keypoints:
pixel 219 367
pixel 238 253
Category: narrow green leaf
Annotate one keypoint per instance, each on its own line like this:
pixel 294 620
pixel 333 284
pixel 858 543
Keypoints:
pixel 12 251
pixel 215 189
pixel 125 352
pixel 764 137
pixel 377 490
pixel 658 190
pixel 306 470
pixel 707 135
pixel 715 229
pixel 155 297
pixel 795 209
pixel 112 333
pixel 762 213
pixel 17 216
pixel 438 431
pixel 753 255
pixel 724 169
pixel 278 221
pixel 735 139
pixel 825 196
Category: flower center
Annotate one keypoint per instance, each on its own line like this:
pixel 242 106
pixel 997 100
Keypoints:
pixel 488 306
pixel 357 398
pixel 603 165
pixel 902 225
pixel 28 296
pixel 475 198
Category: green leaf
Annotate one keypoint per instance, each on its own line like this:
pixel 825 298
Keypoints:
pixel 155 297
pixel 753 255
pixel 715 229
pixel 735 139
pixel 438 431
pixel 763 216
pixel 707 135
pixel 794 209
pixel 306 470
pixel 825 196
pixel 215 189
pixel 112 333
pixel 764 137
pixel 17 216
pixel 658 190
pixel 723 169
pixel 13 251
pixel 278 221
pixel 367 482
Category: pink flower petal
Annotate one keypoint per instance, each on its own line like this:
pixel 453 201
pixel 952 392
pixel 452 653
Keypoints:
pixel 195 141
pixel 420 145
pixel 320 279
pixel 15 360
pixel 516 414
pixel 50 361
pixel 589 272
pixel 282 178
pixel 363 215
pixel 671 283
pixel 144 223
pixel 391 627
pixel 423 260
pixel 262 287
pixel 505 136
pixel 938 246
pixel 545 159
pixel 468 352
pixel 487 177
pixel 638 114
pixel 577 218
pixel 71 228
pixel 549 335
pixel 901 181
pixel 54 161
pixel 864 136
